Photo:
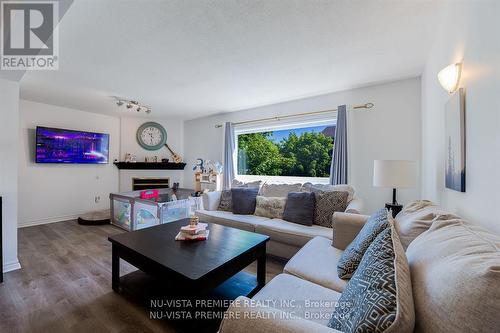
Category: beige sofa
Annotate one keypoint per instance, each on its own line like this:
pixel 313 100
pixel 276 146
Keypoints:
pixel 286 238
pixel 455 273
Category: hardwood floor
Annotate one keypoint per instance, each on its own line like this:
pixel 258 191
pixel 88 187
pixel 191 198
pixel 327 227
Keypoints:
pixel 65 284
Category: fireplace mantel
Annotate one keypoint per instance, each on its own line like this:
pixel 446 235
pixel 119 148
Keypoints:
pixel 149 166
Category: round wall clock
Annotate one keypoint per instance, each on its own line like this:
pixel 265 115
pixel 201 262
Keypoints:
pixel 151 136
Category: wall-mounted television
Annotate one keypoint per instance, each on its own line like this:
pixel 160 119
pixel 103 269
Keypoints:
pixel 57 145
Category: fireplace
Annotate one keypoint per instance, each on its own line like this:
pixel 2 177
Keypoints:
pixel 141 183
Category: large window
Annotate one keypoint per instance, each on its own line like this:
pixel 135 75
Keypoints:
pixel 300 151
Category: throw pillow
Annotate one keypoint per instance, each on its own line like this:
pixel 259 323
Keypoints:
pixel 354 252
pixel 244 200
pixel 272 207
pixel 378 298
pixel 310 187
pixel 225 203
pixel 299 208
pixel 328 203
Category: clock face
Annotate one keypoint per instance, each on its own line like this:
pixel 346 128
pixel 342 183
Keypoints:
pixel 151 136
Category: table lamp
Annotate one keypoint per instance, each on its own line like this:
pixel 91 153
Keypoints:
pixel 394 174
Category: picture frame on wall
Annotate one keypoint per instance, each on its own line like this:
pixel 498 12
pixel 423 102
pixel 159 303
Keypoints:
pixel 455 142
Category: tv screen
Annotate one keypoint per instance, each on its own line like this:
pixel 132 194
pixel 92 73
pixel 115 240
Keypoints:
pixel 55 145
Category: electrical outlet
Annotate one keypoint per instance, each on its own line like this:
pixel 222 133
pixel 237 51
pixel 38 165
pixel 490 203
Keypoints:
pixel 97 199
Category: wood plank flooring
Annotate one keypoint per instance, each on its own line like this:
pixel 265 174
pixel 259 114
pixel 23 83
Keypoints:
pixel 65 284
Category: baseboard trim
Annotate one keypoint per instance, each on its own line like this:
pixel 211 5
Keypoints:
pixel 11 266
pixel 48 220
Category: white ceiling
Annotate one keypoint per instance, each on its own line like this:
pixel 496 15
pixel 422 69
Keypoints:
pixel 191 58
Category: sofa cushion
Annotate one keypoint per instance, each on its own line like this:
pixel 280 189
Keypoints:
pixel 244 200
pixel 237 183
pixel 328 203
pixel 291 233
pixel 272 207
pixel 417 217
pixel 310 187
pixel 378 298
pixel 299 208
pixel 278 190
pixel 304 264
pixel 225 203
pixel 302 298
pixel 455 271
pixel 243 222
pixel 354 252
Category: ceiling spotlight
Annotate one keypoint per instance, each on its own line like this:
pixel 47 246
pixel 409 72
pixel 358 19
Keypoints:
pixel 130 104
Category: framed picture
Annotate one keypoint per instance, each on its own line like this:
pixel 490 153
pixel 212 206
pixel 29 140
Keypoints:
pixel 455 142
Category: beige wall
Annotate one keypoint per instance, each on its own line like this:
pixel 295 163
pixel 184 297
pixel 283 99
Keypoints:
pixel 470 33
pixel 60 192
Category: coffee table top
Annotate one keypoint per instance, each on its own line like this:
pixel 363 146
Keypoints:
pixel 192 259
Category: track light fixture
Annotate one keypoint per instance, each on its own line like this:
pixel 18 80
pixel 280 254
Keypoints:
pixel 130 104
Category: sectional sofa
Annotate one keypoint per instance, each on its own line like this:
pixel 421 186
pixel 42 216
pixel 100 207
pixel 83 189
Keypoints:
pixel 454 268
pixel 286 238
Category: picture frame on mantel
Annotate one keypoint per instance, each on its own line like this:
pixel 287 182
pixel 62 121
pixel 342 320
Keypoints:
pixel 455 142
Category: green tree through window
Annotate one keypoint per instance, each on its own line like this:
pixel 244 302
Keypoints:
pixel 302 152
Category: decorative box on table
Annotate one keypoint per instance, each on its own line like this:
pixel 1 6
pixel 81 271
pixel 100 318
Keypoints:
pixel 130 212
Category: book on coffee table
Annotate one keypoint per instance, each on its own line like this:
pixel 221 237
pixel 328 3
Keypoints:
pixel 193 230
pixel 202 235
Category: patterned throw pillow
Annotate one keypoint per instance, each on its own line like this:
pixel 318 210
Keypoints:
pixel 226 202
pixel 272 207
pixel 378 297
pixel 328 203
pixel 353 254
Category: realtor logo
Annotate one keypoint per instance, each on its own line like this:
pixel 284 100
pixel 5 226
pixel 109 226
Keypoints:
pixel 29 36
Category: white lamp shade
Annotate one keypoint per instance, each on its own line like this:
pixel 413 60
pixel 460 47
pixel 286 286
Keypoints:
pixel 394 173
pixel 449 77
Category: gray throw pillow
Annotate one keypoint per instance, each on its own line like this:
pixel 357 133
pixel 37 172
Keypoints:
pixel 354 252
pixel 225 203
pixel 327 203
pixel 299 208
pixel 378 298
pixel 244 200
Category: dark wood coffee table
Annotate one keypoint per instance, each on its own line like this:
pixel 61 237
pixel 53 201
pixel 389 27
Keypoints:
pixel 196 267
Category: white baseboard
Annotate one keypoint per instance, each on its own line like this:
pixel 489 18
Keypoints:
pixel 47 220
pixel 11 266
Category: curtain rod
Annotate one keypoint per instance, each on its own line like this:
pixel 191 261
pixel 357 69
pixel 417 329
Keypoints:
pixel 362 106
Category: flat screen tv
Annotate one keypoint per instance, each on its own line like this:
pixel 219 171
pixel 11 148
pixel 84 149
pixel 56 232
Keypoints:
pixel 56 145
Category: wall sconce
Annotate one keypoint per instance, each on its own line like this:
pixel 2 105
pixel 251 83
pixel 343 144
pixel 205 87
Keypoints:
pixel 449 77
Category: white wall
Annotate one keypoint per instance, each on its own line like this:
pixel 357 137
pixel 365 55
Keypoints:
pixel 9 119
pixel 175 139
pixel 57 192
pixel 391 130
pixel 469 34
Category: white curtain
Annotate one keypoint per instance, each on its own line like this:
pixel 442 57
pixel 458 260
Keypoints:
pixel 229 141
pixel 338 168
